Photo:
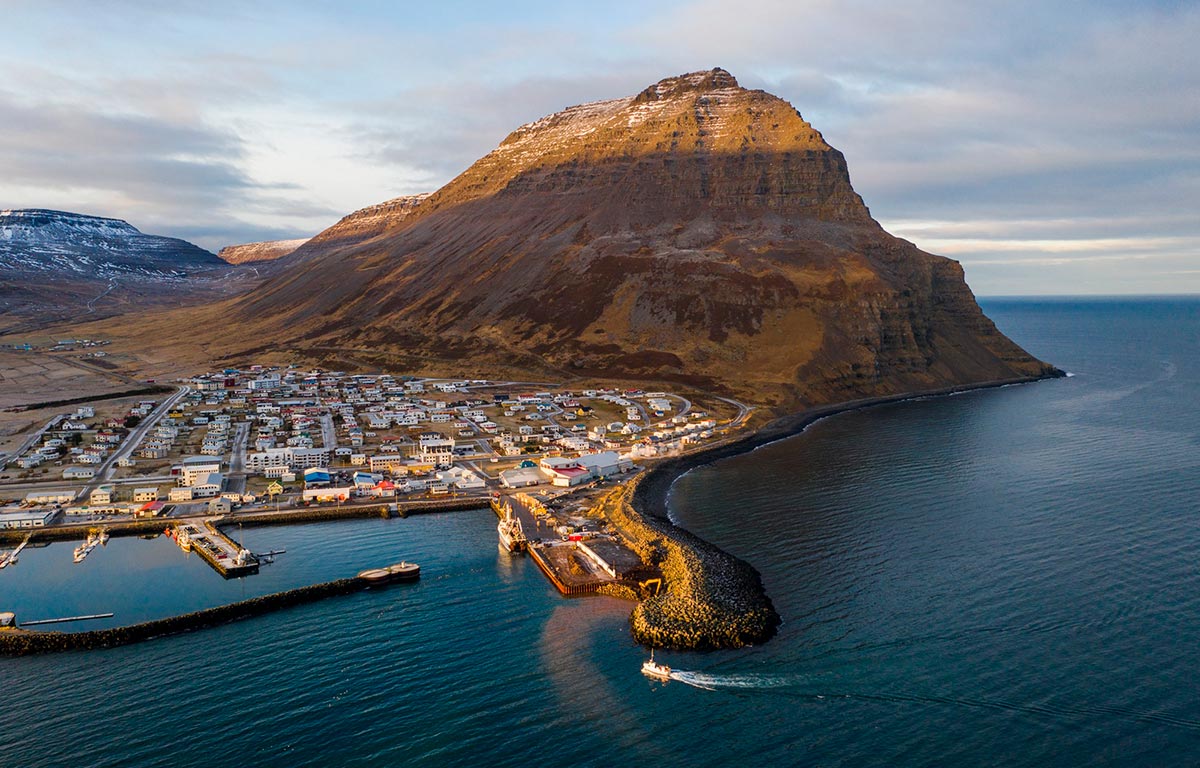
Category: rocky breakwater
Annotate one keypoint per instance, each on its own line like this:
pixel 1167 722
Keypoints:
pixel 712 600
pixel 18 642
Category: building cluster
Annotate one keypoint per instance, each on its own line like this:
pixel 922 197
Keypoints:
pixel 329 436
pixel 80 441
pixel 565 471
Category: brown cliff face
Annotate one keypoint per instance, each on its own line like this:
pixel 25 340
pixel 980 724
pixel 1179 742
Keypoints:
pixel 364 224
pixel 254 253
pixel 697 232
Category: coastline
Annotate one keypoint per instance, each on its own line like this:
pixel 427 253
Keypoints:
pixel 297 516
pixel 716 600
pixel 655 487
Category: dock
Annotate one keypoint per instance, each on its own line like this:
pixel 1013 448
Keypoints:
pixel 216 549
pixel 10 558
pixel 578 566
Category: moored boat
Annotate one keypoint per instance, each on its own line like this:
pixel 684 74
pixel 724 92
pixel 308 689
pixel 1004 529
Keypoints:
pixel 85 549
pixel 512 536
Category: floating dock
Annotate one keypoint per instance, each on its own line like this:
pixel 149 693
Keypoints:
pixel 10 558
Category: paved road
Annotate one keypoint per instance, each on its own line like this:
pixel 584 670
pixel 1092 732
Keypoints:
pixel 134 438
pixel 25 446
pixel 687 405
pixel 236 479
pixel 328 433
pixel 742 414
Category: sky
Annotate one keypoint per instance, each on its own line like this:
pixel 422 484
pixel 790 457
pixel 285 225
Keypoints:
pixel 1051 147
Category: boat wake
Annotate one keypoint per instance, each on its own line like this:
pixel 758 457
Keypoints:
pixel 735 682
pixel 801 686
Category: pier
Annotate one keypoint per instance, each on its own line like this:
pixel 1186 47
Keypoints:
pixel 10 558
pixel 224 555
pixel 577 566
pixel 15 641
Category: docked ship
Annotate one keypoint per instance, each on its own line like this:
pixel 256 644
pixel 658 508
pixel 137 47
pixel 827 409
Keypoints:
pixel 182 537
pixel 654 670
pixel 512 535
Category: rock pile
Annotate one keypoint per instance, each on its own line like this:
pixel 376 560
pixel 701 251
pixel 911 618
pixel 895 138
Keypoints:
pixel 712 599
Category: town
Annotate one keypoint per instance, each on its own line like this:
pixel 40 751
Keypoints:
pixel 284 442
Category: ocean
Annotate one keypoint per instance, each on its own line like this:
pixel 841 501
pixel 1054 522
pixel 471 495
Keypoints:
pixel 1004 577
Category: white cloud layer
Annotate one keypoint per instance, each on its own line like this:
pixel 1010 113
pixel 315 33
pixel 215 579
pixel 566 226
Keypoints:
pixel 1051 147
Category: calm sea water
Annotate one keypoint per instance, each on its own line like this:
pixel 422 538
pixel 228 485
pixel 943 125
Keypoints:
pixel 1008 577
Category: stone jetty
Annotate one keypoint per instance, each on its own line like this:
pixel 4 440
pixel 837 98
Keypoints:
pixel 18 642
pixel 712 599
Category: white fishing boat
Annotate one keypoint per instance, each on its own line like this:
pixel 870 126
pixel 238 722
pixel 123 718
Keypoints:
pixel 512 535
pixel 654 670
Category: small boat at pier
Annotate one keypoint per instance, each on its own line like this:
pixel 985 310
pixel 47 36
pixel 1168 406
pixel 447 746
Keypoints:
pixel 10 558
pixel 85 549
pixel 654 670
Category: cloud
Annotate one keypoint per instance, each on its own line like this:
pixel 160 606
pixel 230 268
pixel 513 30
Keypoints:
pixel 1035 125
pixel 152 171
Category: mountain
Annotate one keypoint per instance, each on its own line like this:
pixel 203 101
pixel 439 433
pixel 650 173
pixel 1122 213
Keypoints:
pixel 37 240
pixel 696 232
pixel 250 253
pixel 362 225
pixel 55 264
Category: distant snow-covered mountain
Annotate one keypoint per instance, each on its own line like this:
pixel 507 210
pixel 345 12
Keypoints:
pixel 57 266
pixel 72 244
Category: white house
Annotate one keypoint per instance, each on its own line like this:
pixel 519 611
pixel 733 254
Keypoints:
pixel 145 494
pixel 461 478
pixel 49 497
pixel 604 463
pixel 194 468
pixel 105 494
pixel 297 458
pixel 207 485
pixel 179 494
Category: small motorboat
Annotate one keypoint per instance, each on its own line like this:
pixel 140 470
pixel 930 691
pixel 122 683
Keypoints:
pixel 654 670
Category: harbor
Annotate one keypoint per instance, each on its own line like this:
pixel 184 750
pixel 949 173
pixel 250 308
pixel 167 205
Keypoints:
pixel 576 562
pixel 226 556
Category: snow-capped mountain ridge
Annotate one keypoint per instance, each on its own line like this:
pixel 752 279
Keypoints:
pixel 37 240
